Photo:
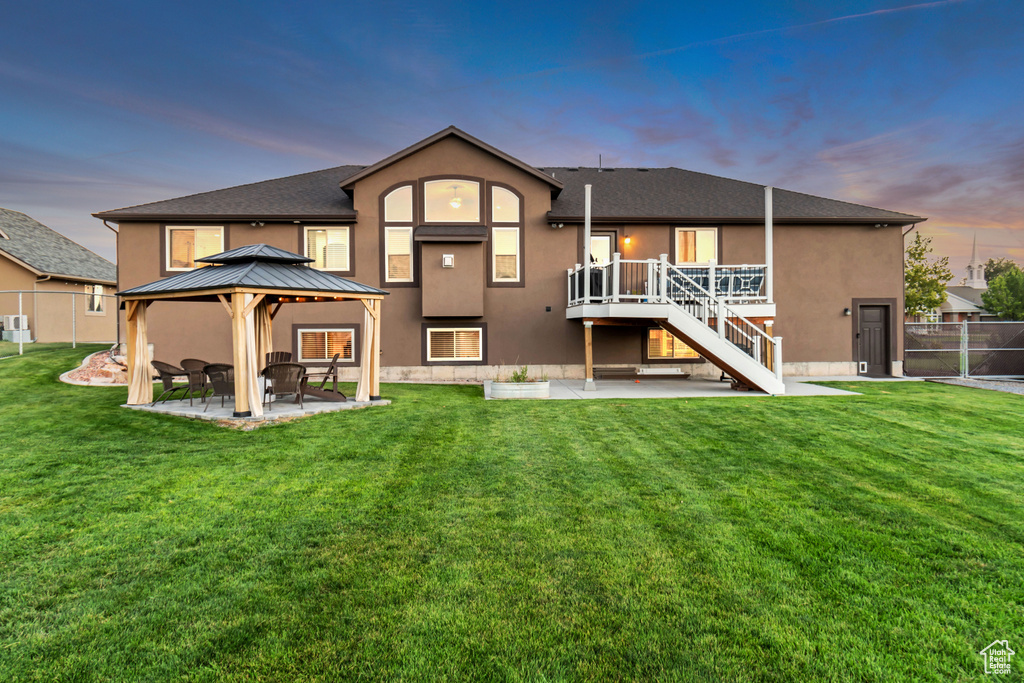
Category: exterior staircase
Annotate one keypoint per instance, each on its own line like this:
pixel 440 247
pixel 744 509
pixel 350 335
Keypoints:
pixel 699 305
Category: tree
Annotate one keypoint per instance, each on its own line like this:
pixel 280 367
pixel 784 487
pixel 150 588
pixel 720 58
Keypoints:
pixel 1005 295
pixel 995 267
pixel 924 279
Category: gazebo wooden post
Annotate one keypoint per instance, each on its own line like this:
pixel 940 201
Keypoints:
pixel 375 306
pixel 240 360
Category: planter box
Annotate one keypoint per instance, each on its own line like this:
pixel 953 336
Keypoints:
pixel 521 389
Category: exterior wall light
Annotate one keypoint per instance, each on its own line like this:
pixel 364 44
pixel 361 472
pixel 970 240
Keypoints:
pixel 847 311
pixel 448 261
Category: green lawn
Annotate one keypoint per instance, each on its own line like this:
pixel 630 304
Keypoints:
pixel 868 538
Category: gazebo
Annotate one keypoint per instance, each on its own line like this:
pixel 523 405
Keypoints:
pixel 252 283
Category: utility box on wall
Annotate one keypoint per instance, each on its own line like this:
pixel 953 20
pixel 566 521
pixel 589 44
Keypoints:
pixel 453 279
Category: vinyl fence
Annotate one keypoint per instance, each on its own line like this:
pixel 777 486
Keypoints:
pixel 965 349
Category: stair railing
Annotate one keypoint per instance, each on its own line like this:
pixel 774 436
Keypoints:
pixel 684 292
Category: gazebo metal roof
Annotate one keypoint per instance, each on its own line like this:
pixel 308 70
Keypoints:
pixel 255 266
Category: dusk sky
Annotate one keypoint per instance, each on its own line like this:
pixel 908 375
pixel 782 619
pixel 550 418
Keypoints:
pixel 913 107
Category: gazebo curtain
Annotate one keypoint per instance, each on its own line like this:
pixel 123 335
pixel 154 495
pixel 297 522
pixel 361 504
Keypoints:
pixel 253 361
pixel 141 388
pixel 363 388
pixel 264 337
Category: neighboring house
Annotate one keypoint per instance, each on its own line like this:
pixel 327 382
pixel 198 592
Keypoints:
pixel 38 262
pixel 477 248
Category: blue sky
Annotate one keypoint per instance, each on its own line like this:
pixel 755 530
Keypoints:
pixel 915 107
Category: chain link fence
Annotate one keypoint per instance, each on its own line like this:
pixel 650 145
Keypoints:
pixel 964 349
pixel 36 320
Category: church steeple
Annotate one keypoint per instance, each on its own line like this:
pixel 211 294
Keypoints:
pixel 976 269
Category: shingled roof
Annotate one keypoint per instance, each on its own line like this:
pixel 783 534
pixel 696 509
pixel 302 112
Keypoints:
pixel 618 194
pixel 307 195
pixel 672 193
pixel 47 252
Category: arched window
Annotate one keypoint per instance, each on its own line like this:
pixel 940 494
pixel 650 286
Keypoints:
pixel 506 240
pixel 397 238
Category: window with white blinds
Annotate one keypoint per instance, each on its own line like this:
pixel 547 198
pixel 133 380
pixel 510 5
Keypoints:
pixel 398 254
pixel 329 248
pixel 317 345
pixel 185 245
pixel 662 344
pixel 505 250
pixel 454 344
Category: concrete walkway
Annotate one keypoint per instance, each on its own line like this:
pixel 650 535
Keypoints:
pixel 691 388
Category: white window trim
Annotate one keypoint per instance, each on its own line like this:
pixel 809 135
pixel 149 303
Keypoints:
pixel 167 243
pixel 675 244
pixel 494 255
pixel 412 251
pixel 348 251
pixel 476 220
pixel 325 330
pixel 480 348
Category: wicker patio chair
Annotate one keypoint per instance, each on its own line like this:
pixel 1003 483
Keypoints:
pixel 221 378
pixel 283 379
pixel 196 376
pixel 167 374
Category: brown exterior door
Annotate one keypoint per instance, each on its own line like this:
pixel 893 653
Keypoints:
pixel 873 338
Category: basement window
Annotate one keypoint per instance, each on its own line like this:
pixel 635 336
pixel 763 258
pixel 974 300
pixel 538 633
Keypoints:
pixel 662 345
pixel 321 345
pixel 454 344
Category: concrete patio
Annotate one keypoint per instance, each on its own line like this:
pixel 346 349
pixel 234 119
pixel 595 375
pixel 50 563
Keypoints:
pixel 283 409
pixel 563 389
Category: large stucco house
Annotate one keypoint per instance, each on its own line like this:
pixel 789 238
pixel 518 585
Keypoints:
pixel 485 258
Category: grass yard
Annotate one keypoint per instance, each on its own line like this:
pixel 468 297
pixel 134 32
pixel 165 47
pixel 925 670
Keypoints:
pixel 873 538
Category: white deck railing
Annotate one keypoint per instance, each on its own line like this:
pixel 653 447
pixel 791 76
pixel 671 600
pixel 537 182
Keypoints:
pixel 624 280
pixel 709 293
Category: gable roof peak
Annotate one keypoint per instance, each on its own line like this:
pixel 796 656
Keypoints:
pixel 451 131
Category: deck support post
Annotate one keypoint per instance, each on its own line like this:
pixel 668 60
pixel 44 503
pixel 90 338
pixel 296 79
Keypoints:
pixel 663 293
pixel 586 244
pixel 769 267
pixel 615 277
pixel 588 335
pixel 240 355
pixel 711 277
